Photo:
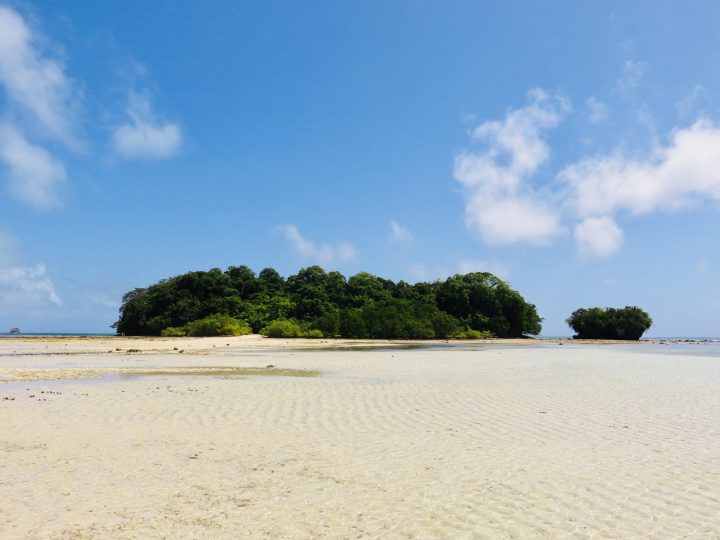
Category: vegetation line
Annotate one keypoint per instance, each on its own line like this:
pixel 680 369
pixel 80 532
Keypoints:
pixel 315 303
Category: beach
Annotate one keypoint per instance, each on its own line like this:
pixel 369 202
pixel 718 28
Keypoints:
pixel 259 438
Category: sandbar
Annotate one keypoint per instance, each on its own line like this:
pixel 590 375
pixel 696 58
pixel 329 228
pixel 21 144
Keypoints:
pixel 472 440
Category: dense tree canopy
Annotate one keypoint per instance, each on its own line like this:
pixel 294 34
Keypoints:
pixel 609 323
pixel 325 303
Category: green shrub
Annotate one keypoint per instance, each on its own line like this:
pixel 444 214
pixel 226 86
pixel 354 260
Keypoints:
pixel 282 328
pixel 174 331
pixel 215 325
pixel 473 334
pixel 313 333
pixel 629 323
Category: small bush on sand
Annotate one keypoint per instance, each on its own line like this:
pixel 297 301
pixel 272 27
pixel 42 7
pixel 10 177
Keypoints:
pixel 218 325
pixel 285 328
pixel 282 328
pixel 213 325
pixel 473 334
pixel 174 331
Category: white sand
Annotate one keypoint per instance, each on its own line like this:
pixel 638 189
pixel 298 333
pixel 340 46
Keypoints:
pixel 578 441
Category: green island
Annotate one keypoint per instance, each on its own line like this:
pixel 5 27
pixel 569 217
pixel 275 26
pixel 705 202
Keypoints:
pixel 316 303
pixel 628 323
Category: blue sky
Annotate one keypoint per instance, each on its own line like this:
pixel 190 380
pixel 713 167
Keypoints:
pixel 573 148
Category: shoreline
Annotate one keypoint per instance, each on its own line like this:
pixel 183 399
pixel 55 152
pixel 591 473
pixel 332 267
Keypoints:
pixel 259 340
pixel 39 346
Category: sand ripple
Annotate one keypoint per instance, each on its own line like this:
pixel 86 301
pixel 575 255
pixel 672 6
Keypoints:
pixel 574 442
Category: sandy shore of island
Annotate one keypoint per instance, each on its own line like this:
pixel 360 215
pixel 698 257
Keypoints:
pixel 119 345
pixel 480 441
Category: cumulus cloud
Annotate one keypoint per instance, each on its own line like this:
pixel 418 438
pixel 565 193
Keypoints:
pixel 513 219
pixel 144 135
pixel 34 175
pixel 675 176
pixel 321 253
pixel 501 205
pixel 34 82
pixel 599 237
pixel 399 234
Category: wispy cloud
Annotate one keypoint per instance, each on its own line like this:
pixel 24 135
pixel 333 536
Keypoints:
pixel 596 110
pixel 34 175
pixel 399 234
pixel 22 287
pixel 632 73
pixel 422 272
pixel 501 270
pixel 695 103
pixel 41 102
pixel 144 135
pixel 311 251
pixel 35 83
pixel 27 285
pixel 501 204
pixel 41 107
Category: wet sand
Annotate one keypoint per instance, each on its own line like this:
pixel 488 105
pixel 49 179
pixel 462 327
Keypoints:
pixel 481 441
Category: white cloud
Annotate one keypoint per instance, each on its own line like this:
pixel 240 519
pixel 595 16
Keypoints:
pixel 34 174
pixel 597 110
pixel 34 82
pixel 512 219
pixel 144 136
pixel 598 237
pixel 321 253
pixel 26 286
pixel 41 100
pixel 399 234
pixel 675 176
pixel 677 173
pixel 501 205
pixel 467 266
pixel 22 287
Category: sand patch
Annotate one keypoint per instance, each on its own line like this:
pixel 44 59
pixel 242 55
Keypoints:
pixel 16 375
